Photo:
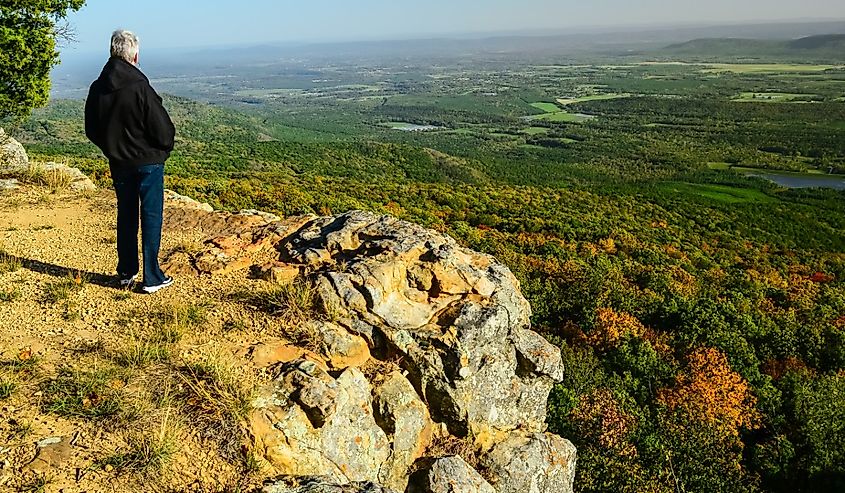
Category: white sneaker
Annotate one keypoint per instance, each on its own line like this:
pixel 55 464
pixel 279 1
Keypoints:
pixel 152 289
pixel 129 281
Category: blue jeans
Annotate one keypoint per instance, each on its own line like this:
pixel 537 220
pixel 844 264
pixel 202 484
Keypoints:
pixel 140 186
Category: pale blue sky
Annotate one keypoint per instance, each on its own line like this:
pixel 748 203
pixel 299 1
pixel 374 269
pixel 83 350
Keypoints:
pixel 179 23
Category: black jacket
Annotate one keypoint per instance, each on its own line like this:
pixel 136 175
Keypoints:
pixel 124 117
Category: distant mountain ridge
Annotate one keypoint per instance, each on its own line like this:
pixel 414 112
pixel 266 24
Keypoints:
pixel 826 46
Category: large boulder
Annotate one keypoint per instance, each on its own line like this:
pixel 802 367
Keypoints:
pixel 455 317
pixel 13 158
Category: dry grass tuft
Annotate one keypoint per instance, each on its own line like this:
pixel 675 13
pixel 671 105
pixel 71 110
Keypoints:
pixel 218 395
pixel 219 388
pixel 64 289
pixel 55 180
pixel 294 302
pixel 9 263
pixel 149 447
pixel 189 247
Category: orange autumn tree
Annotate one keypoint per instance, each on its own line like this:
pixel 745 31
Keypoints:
pixel 611 326
pixel 710 392
pixel 601 419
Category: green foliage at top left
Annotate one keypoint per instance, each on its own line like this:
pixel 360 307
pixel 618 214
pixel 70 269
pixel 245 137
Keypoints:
pixel 28 33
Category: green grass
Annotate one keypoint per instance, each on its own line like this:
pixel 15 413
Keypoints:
pixel 90 394
pixel 586 99
pixel 563 116
pixel 145 452
pixel 719 193
pixel 7 388
pixel 9 295
pixel 8 263
pixel 547 107
pixel 63 289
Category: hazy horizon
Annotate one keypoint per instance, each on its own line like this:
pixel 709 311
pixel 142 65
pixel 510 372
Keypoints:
pixel 163 24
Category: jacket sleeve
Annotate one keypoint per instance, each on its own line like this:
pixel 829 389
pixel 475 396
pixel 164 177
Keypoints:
pixel 159 128
pixel 91 119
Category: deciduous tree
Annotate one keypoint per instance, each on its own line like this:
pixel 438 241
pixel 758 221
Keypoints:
pixel 29 30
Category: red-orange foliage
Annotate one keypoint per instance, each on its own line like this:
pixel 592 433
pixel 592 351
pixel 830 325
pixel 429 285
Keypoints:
pixel 600 419
pixel 821 277
pixel 712 393
pixel 611 327
pixel 777 368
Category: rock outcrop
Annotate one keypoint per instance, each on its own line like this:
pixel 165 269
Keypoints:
pixel 453 320
pixel 15 162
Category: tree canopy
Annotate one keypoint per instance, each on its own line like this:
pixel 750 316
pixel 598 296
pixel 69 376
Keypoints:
pixel 28 33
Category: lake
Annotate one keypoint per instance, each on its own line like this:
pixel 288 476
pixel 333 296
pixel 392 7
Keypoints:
pixel 803 181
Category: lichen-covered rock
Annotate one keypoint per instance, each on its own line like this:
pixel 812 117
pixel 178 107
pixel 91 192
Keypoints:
pixel 452 319
pixel 342 348
pixel 455 316
pixel 324 485
pixel 309 424
pixel 532 463
pixel 405 418
pixel 449 475
pixel 13 158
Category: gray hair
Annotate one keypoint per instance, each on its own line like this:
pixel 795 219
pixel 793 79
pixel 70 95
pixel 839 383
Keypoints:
pixel 125 45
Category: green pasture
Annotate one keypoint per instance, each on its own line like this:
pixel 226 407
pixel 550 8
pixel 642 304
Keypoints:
pixel 547 107
pixel 586 99
pixel 718 193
